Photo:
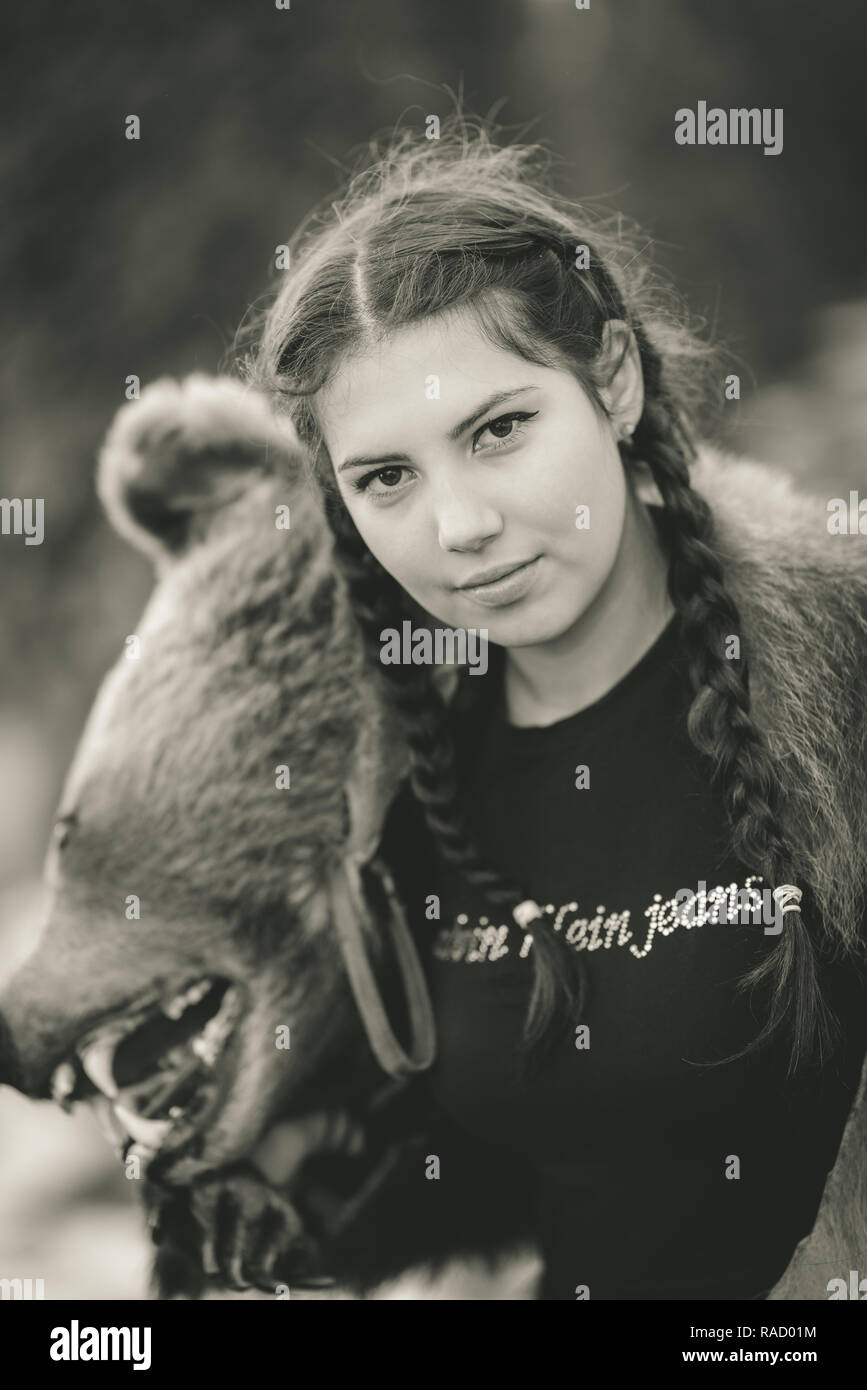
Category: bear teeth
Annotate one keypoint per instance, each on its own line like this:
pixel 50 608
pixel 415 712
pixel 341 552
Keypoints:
pixel 174 1008
pixel 97 1059
pixel 144 1131
pixel 63 1082
pixel 208 1044
pixel 123 1112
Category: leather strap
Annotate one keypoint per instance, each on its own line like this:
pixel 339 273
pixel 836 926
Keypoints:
pixel 350 914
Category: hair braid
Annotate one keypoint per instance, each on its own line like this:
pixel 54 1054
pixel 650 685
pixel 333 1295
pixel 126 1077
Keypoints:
pixel 720 724
pixel 375 598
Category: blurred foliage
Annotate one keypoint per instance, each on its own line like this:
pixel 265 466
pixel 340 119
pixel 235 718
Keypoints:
pixel 143 257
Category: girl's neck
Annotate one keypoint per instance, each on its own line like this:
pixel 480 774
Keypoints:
pixel 543 684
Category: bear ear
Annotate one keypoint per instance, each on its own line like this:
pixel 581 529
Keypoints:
pixel 183 450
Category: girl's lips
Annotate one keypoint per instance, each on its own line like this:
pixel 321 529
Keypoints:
pixel 506 590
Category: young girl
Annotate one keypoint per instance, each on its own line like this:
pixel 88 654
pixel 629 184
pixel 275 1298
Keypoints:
pixel 500 411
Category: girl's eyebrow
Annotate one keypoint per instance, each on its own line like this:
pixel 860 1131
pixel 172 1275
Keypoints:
pixel 497 399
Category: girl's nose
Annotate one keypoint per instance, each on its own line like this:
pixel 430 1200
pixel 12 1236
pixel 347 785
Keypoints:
pixel 464 522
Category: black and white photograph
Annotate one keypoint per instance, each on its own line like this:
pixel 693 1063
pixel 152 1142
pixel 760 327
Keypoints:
pixel 433 602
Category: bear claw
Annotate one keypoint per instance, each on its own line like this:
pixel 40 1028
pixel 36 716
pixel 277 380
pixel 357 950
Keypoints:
pixel 247 1226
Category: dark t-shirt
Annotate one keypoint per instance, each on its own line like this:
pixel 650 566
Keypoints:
pixel 656 1175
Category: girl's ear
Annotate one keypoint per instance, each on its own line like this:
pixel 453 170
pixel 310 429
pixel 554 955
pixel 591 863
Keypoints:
pixel 623 388
pixel 182 451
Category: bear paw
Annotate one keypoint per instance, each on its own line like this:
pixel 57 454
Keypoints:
pixel 247 1225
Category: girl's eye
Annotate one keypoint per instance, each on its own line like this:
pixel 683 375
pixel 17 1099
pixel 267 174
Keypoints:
pixel 505 428
pixel 363 483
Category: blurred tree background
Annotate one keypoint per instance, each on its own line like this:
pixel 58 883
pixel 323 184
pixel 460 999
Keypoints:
pixel 144 256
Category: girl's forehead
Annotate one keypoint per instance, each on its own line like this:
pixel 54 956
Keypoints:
pixel 448 355
pixel 454 337
pixel 384 410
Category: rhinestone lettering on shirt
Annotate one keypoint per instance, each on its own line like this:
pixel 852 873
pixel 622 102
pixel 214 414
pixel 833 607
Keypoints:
pixel 486 942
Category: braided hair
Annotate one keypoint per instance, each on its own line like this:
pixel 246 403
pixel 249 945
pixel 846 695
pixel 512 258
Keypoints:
pixel 719 721
pixel 464 222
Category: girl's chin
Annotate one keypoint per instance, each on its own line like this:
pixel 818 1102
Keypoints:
pixel 523 625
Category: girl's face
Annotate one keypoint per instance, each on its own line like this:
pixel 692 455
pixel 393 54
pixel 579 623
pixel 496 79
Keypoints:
pixel 455 457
